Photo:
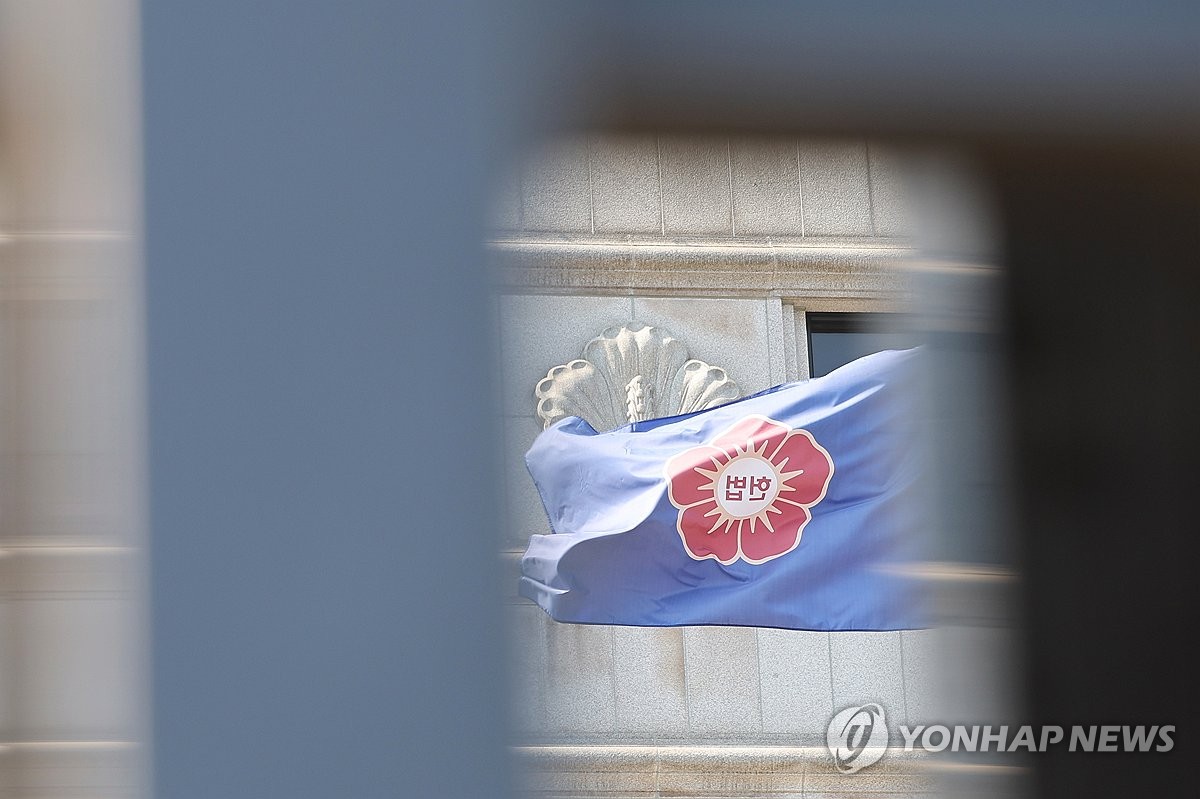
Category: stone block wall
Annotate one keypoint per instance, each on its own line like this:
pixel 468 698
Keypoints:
pixel 721 187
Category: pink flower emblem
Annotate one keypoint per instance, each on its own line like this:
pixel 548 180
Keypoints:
pixel 747 493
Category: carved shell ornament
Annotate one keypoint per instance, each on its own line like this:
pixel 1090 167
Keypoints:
pixel 628 374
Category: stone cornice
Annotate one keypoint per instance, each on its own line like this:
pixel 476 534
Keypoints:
pixel 553 771
pixel 865 269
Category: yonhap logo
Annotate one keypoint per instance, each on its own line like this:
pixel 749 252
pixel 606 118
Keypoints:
pixel 857 737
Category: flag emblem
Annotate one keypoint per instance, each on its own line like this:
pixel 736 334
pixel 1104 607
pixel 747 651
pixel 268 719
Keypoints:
pixel 747 494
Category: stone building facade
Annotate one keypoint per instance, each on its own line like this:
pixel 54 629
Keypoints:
pixel 729 243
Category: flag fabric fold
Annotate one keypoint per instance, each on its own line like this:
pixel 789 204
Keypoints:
pixel 794 508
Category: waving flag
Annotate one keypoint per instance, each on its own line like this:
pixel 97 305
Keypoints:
pixel 792 508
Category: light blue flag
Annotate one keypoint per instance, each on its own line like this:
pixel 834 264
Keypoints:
pixel 795 508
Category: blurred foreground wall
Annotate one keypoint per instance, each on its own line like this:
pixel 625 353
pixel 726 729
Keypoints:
pixel 72 672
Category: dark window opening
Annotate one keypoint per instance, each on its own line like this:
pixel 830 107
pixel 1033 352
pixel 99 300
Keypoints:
pixel 836 339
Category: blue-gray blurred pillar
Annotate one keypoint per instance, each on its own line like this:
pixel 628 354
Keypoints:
pixel 319 453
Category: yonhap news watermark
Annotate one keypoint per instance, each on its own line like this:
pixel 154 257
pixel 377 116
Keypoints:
pixel 858 737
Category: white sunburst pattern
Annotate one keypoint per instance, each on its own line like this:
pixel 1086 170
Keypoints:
pixel 747 493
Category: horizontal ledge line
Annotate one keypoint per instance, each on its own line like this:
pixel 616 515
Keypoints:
pixel 840 247
pixel 766 242
pixel 953 572
pixel 68 235
pixel 60 745
pixel 704 756
pixel 52 549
